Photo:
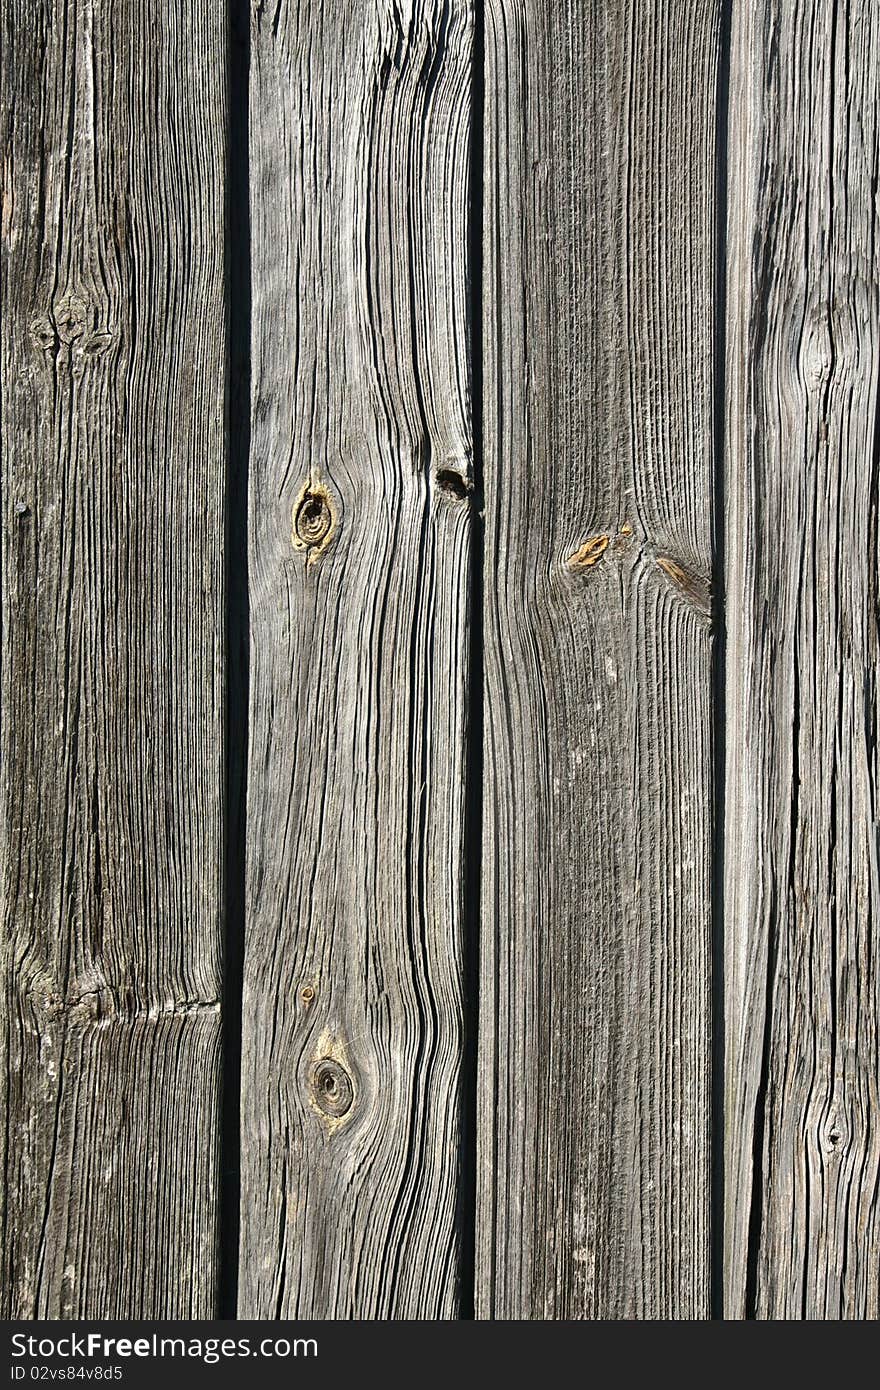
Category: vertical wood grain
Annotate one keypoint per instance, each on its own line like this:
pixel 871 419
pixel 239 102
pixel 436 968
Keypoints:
pixel 803 886
pixel 595 1066
pixel 112 127
pixel 360 530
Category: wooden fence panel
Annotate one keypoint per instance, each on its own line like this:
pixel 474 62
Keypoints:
pixel 537 492
pixel 113 475
pixel 595 1009
pixel 360 543
pixel 803 884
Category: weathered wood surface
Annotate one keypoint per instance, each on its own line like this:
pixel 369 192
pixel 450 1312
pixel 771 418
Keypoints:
pixel 803 884
pixel 112 123
pixel 360 526
pixel 595 1068
pixel 596 148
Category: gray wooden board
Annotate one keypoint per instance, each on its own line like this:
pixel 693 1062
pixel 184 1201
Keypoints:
pixel 359 557
pixel 112 121
pixel 595 1066
pixel 594 1093
pixel 803 885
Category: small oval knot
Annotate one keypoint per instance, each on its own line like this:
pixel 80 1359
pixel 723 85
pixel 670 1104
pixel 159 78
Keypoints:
pixel 313 519
pixel 332 1087
pixel 457 481
pixel 834 1133
pixel 71 315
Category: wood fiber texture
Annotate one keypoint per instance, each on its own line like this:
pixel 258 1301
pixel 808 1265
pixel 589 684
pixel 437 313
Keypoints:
pixel 360 524
pixel 112 121
pixel 803 885
pixel 595 1008
pixel 574 529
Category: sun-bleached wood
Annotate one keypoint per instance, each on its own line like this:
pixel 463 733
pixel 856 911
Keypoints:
pixel 112 121
pixel 803 450
pixel 595 1007
pixel 360 531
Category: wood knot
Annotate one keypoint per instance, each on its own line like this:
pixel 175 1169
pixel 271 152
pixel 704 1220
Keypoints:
pixel 71 315
pixel 313 519
pixel 71 329
pixel 332 1088
pixel 834 1133
pixel 589 553
pixel 307 994
pixel 454 481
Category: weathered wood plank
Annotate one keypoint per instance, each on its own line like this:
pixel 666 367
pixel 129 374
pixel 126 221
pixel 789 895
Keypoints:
pixel 594 1108
pixel 803 887
pixel 112 122
pixel 360 527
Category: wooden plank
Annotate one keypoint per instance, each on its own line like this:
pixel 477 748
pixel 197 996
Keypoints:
pixel 803 886
pixel 594 1105
pixel 112 123
pixel 360 531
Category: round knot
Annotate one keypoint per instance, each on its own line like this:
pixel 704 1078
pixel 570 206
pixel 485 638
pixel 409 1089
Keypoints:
pixel 313 519
pixel 332 1086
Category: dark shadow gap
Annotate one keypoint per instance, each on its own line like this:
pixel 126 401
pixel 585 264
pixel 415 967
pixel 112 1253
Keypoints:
pixel 719 674
pixel 473 824
pixel 237 640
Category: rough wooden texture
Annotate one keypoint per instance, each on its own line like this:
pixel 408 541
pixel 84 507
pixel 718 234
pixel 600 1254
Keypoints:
pixel 360 527
pixel 112 131
pixel 803 884
pixel 594 1109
